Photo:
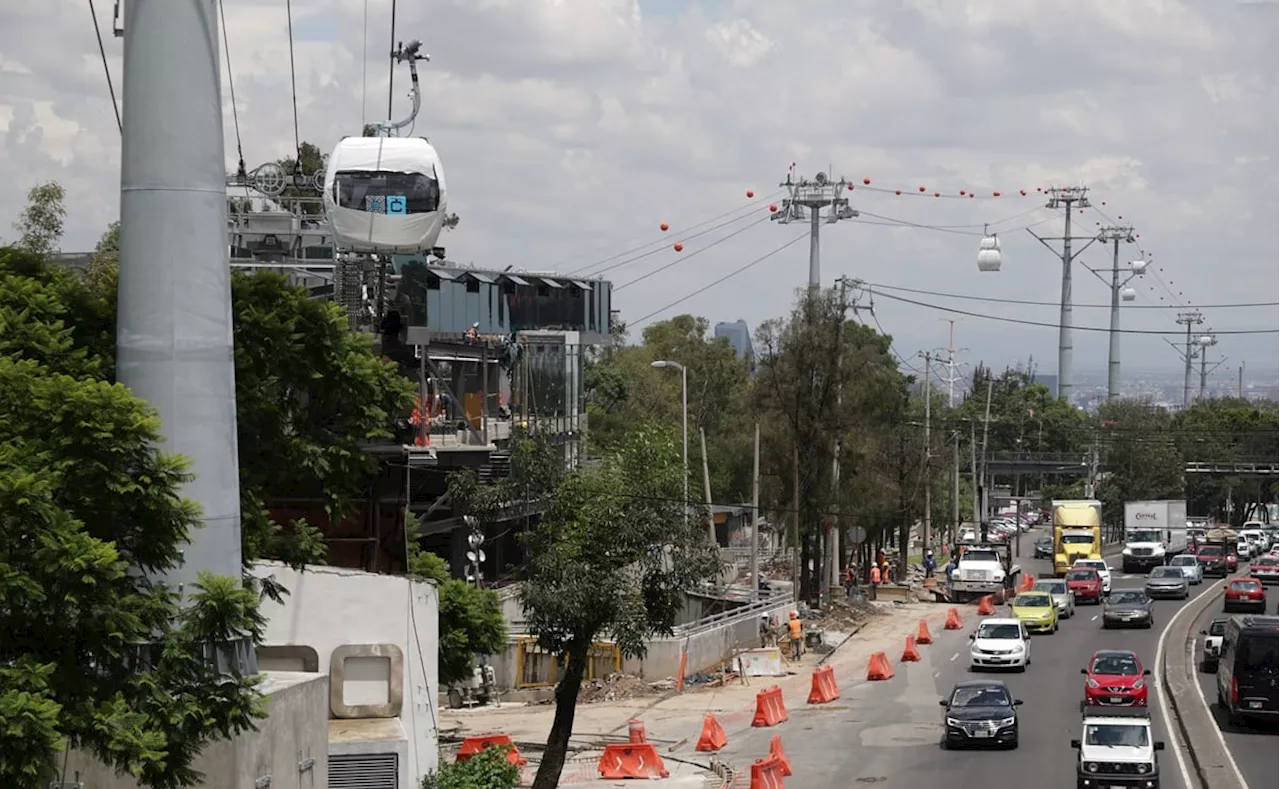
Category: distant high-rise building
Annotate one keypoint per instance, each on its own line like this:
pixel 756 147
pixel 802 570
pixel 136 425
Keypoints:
pixel 1050 381
pixel 738 333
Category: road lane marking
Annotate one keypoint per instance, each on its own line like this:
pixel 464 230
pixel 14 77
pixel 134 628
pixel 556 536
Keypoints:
pixel 1235 768
pixel 1164 703
pixel 1094 619
pixel 953 657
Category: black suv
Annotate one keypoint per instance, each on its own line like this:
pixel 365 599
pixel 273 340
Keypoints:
pixel 980 712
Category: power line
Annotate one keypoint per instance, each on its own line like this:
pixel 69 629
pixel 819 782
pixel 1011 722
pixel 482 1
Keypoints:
pixel 731 274
pixel 293 81
pixel 888 221
pixel 231 83
pixel 683 258
pixel 102 50
pixel 1046 325
pixel 995 300
pixel 666 247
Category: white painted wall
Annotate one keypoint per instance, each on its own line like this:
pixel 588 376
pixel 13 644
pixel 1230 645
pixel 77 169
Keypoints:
pixel 328 607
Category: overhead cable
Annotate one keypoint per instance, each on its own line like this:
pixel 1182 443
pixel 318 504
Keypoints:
pixel 102 51
pixel 995 300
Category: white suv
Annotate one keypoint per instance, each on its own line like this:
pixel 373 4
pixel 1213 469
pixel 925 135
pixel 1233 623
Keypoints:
pixel 1117 749
pixel 1103 570
pixel 1000 643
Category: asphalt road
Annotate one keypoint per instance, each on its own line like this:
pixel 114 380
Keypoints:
pixel 887 734
pixel 1252 747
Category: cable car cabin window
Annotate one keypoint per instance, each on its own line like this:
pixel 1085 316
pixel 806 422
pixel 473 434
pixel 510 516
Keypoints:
pixel 473 286
pixel 360 190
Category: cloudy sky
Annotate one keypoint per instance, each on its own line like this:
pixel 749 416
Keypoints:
pixel 571 129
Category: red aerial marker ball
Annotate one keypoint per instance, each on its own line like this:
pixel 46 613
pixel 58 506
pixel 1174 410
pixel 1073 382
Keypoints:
pixel 867 181
pixel 971 195
pixel 678 247
pixel 937 194
pixel 750 193
pixel 665 227
pixel 1038 189
pixel 1119 217
pixel 1104 202
pixel 850 187
pixel 1022 192
pixel 773 208
pixel 922 189
pixel 1137 235
pixel 962 193
pixel 897 191
pixel 995 194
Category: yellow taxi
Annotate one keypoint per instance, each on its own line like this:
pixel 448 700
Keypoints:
pixel 1036 610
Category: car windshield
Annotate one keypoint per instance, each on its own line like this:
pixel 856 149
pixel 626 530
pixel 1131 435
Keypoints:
pixel 1077 539
pixel 980 556
pixel 1181 561
pixel 1081 575
pixel 1244 586
pixel 1116 735
pixel 1032 601
pixel 1266 561
pixel 1115 665
pixel 1218 627
pixel 1144 535
pixel 1099 566
pixel 1166 572
pixel 1052 587
pixel 1211 550
pixel 1000 631
pixel 1257 653
pixel 989 696
pixel 1123 597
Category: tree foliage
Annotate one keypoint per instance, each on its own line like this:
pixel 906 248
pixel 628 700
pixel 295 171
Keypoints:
pixel 612 555
pixel 41 222
pixel 488 769
pixel 470 618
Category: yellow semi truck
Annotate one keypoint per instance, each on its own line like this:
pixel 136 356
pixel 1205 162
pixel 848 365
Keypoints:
pixel 1077 532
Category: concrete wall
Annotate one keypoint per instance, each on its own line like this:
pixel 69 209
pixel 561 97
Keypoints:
pixel 290 747
pixel 707 647
pixel 385 631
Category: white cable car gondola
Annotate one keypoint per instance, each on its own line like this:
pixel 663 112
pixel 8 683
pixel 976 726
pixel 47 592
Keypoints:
pixel 989 252
pixel 1128 294
pixel 387 194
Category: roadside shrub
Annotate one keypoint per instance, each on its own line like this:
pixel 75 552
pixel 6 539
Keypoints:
pixel 487 770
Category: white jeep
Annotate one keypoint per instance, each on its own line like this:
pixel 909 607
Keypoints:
pixel 1117 749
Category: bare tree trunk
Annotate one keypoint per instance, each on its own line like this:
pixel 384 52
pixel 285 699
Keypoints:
pixel 553 757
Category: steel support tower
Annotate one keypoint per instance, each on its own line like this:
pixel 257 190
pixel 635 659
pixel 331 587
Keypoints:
pixel 806 200
pixel 1068 197
pixel 1114 235
pixel 1192 318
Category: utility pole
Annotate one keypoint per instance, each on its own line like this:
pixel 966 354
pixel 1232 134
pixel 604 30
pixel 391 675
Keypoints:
pixel 1067 197
pixel 952 350
pixel 986 423
pixel 928 453
pixel 973 473
pixel 755 518
pixel 1114 234
pixel 176 352
pixel 1206 343
pixel 955 485
pixel 1240 382
pixel 833 532
pixel 1192 318
pixel 805 201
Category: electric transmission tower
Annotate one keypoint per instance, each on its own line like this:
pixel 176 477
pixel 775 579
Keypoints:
pixel 1114 235
pixel 1192 318
pixel 1068 197
pixel 951 350
pixel 1207 342
pixel 806 200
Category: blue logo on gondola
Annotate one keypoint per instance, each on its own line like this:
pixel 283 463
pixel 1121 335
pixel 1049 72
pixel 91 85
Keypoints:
pixel 396 204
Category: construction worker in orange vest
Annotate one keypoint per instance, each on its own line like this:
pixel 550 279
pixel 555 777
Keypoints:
pixel 795 629
pixel 875 580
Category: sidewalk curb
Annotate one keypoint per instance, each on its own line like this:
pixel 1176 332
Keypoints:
pixel 1178 678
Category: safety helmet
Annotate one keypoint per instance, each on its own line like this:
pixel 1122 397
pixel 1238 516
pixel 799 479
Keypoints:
pixel 795 615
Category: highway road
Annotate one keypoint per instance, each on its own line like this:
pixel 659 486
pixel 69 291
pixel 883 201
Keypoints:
pixel 887 734
pixel 1252 747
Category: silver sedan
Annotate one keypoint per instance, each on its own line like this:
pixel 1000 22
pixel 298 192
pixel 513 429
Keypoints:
pixel 1167 581
pixel 1190 568
pixel 1063 599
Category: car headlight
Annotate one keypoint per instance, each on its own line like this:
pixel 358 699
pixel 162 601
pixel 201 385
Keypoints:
pixel 999 575
pixel 1018 648
pixel 1004 722
pixel 1142 768
pixel 953 722
pixel 1127 552
pixel 1091 682
pixel 1091 766
pixel 1139 685
pixel 1157 551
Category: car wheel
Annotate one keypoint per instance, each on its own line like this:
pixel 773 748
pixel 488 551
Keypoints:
pixel 946 744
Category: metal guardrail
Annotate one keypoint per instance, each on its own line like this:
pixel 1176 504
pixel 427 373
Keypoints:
pixel 749 611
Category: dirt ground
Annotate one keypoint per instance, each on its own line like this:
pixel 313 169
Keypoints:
pixel 620 687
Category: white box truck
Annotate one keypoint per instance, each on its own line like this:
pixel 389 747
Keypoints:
pixel 1154 532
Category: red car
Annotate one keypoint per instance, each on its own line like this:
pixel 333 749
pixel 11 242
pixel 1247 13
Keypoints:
pixel 1085 584
pixel 1245 594
pixel 1115 678
pixel 1266 569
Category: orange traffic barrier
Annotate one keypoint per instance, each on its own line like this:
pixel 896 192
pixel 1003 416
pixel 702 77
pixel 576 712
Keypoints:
pixel 628 760
pixel 909 653
pixel 953 620
pixel 879 668
pixel 986 607
pixel 1027 583
pixel 770 709
pixel 824 686
pixel 922 633
pixel 474 745
pixel 713 737
pixel 767 773
pixel 776 752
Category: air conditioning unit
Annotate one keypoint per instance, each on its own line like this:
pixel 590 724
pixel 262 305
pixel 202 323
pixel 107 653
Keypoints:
pixel 369 753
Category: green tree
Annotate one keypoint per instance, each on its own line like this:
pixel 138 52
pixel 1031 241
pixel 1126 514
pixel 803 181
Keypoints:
pixel 41 222
pixel 1142 459
pixel 1226 431
pixel 305 163
pixel 470 618
pixel 85 501
pixel 611 556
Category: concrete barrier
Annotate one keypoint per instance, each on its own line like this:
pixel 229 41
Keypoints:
pixel 1179 679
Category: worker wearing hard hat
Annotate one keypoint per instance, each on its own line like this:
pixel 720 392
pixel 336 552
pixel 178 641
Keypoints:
pixel 795 630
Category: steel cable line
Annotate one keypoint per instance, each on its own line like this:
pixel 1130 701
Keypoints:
pixel 993 299
pixel 664 247
pixel 889 221
pixel 662 243
pixel 886 334
pixel 696 252
pixel 1044 324
pixel 293 82
pixel 231 84
pixel 102 51
pixel 731 274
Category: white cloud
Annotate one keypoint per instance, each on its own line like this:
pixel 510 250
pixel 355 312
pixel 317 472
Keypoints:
pixel 571 128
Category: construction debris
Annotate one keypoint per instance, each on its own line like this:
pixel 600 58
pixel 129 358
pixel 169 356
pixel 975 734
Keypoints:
pixel 846 616
pixel 620 686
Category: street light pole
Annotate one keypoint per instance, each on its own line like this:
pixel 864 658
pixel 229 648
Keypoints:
pixel 684 424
